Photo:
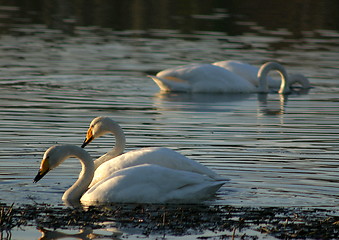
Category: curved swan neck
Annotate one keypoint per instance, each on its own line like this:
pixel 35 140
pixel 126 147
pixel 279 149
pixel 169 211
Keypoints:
pixel 262 75
pixel 120 143
pixel 85 177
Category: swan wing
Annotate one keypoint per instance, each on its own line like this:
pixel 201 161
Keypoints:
pixel 244 70
pixel 168 84
pixel 202 78
pixel 153 155
pixel 149 183
pixel 180 78
pixel 169 158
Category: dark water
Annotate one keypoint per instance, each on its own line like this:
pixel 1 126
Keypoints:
pixel 63 64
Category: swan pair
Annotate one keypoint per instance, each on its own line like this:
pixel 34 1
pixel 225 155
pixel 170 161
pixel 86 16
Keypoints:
pixel 147 175
pixel 227 77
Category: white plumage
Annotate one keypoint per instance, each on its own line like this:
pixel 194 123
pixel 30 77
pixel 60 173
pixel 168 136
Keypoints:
pixel 226 77
pixel 112 161
pixel 145 183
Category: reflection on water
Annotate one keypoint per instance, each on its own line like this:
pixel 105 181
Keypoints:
pixel 209 102
pixel 196 102
pixel 82 234
pixel 231 17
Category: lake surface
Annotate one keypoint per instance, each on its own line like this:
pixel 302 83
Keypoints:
pixel 276 150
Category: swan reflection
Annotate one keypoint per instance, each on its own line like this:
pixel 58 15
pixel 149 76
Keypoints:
pixel 200 102
pixel 271 107
pixel 266 104
pixel 84 234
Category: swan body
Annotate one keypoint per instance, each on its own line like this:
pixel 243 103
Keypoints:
pixel 161 156
pixel 152 155
pixel 201 78
pixel 149 183
pixel 145 183
pixel 225 77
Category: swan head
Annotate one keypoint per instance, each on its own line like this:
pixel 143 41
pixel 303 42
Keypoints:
pixel 299 79
pixel 52 158
pixel 98 127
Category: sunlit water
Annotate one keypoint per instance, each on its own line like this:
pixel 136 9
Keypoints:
pixel 275 150
pixel 279 151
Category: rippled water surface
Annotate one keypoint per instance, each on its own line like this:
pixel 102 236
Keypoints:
pixel 276 150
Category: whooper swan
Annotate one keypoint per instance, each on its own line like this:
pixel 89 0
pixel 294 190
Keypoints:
pixel 111 162
pixel 146 183
pixel 225 77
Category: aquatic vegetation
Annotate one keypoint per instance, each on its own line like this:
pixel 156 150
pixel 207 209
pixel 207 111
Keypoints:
pixel 6 217
pixel 178 220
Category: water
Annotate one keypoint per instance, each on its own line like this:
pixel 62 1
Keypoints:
pixel 276 150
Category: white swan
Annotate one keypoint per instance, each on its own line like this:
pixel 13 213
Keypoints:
pixel 152 155
pixel 217 79
pixel 199 78
pixel 145 183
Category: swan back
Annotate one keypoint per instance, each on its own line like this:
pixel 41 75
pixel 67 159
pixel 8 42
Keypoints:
pixel 202 78
pixel 246 71
pixel 186 73
pixel 242 69
pixel 153 155
pixel 149 183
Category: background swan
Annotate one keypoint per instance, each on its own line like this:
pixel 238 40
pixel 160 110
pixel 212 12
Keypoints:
pixel 153 155
pixel 224 77
pixel 145 183
pixel 201 78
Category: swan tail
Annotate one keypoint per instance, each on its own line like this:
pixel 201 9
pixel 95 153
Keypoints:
pixel 197 192
pixel 170 84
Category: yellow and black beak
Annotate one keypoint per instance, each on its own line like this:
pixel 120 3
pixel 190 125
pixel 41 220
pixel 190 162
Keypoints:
pixel 89 138
pixel 44 169
pixel 40 175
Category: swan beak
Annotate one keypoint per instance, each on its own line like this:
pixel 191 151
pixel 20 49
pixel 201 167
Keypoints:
pixel 44 169
pixel 89 138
